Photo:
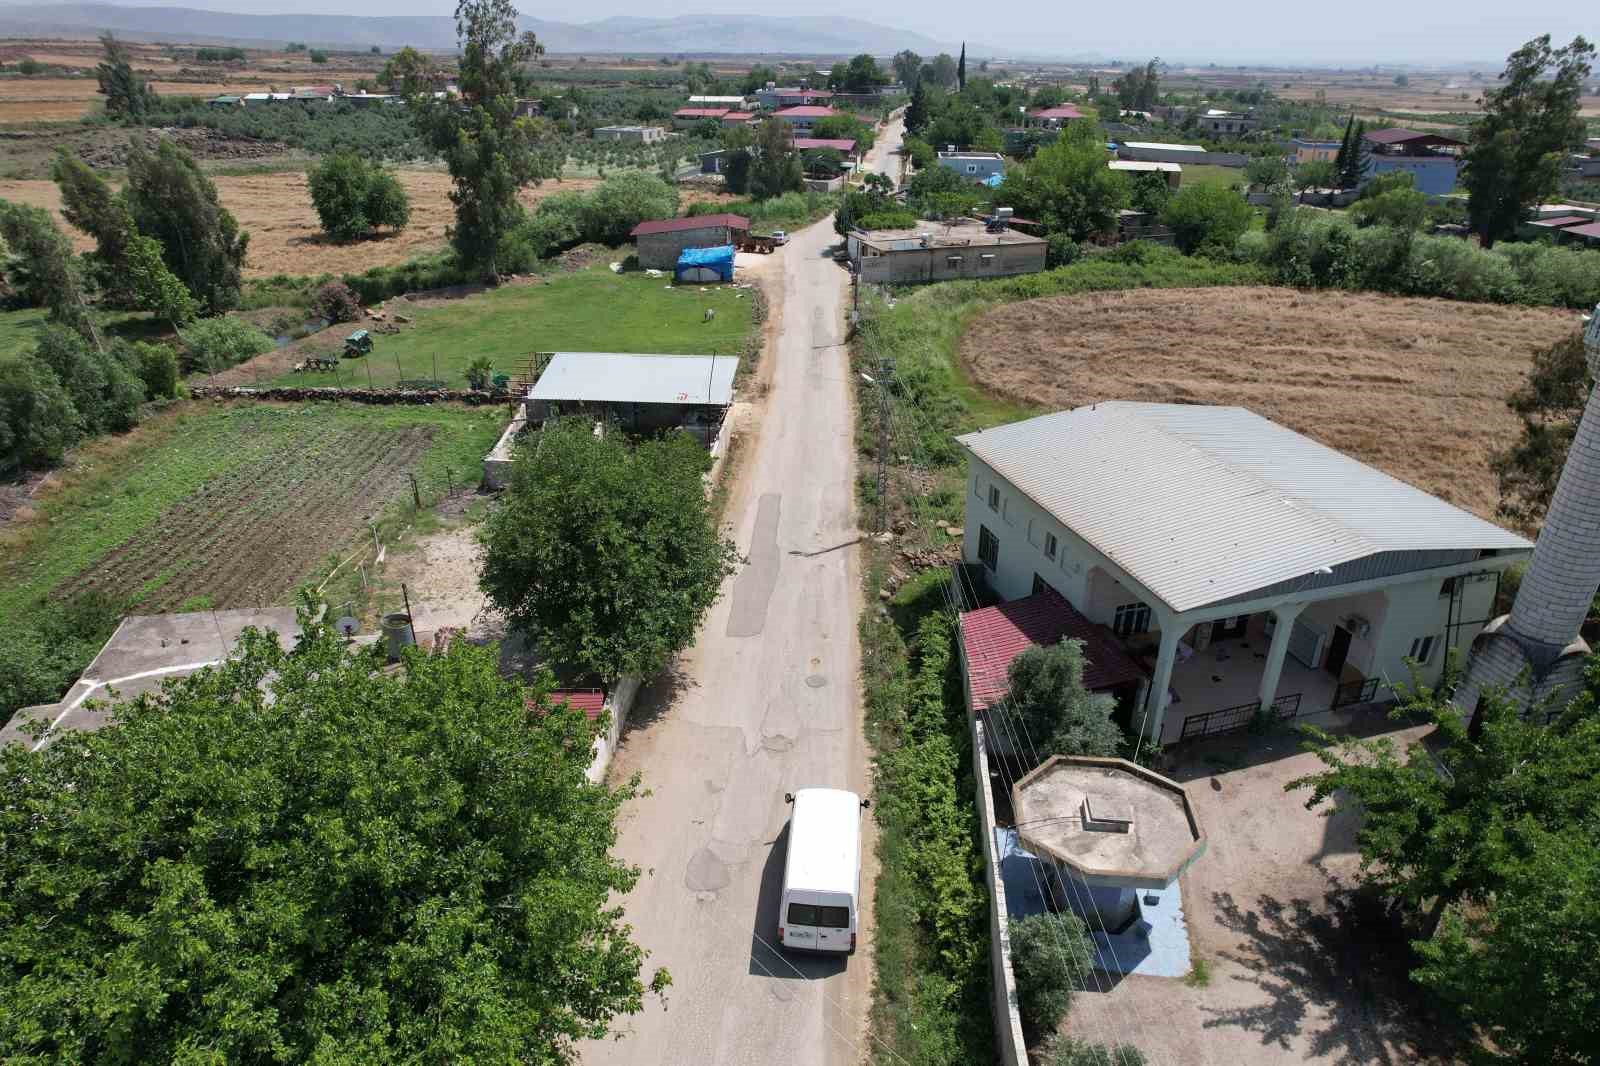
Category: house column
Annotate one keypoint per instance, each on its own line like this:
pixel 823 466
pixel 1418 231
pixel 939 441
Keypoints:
pixel 1286 615
pixel 1156 704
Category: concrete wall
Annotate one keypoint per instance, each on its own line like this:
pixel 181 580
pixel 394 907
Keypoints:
pixel 934 264
pixel 973 169
pixel 1010 1045
pixel 661 250
pixel 642 135
pixel 1432 175
pixel 497 464
pixel 833 184
pixel 619 704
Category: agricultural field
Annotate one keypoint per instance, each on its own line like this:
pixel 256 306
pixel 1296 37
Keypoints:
pixel 586 310
pixel 231 505
pixel 1227 177
pixel 1414 387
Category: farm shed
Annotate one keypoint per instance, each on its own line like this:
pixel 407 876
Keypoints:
pixel 705 264
pixel 660 241
pixel 1245 566
pixel 635 134
pixel 936 251
pixel 641 393
pixel 1172 171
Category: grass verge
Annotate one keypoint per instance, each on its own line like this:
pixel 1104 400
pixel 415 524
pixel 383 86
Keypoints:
pixel 931 944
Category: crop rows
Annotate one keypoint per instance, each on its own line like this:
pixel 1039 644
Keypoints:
pixel 247 536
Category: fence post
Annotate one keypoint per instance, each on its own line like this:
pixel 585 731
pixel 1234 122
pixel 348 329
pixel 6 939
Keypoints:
pixel 416 494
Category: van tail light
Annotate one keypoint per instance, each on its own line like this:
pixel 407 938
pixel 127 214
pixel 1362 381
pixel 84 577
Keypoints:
pixel 780 934
pixel 852 941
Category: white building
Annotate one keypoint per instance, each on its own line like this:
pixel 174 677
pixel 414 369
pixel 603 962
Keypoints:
pixel 1243 564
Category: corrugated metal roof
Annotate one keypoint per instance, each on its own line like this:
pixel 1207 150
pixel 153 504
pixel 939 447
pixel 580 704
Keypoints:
pixel 1559 221
pixel 993 636
pixel 1164 147
pixel 1199 504
pixel 1145 166
pixel 842 144
pixel 1591 230
pixel 805 111
pixel 614 377
pixel 672 225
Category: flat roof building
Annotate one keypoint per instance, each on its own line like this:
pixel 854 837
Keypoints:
pixel 937 251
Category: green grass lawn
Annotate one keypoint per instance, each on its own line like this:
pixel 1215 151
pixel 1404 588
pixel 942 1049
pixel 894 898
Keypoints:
pixel 589 310
pixel 1210 175
pixel 233 504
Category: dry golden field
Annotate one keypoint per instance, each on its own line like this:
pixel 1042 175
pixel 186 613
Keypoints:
pixel 1416 388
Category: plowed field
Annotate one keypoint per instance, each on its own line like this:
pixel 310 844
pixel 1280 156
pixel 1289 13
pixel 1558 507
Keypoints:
pixel 1416 388
pixel 235 505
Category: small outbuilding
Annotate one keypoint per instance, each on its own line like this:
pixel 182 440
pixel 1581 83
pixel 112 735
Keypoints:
pixel 640 393
pixel 938 251
pixel 661 241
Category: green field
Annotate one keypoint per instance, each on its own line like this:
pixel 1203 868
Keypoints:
pixel 590 310
pixel 232 505
pixel 1209 175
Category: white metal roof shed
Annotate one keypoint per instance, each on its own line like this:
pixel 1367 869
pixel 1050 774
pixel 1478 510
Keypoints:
pixel 616 377
pixel 1200 504
pixel 1145 167
pixel 1164 147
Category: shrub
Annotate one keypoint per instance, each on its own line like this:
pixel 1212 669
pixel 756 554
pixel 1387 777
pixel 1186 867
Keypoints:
pixel 336 302
pixel 48 646
pixel 103 388
pixel 480 373
pixel 157 367
pixel 38 422
pixel 353 196
pixel 622 202
pixel 1065 1051
pixel 1048 953
pixel 318 56
pixel 417 275
pixel 1061 250
pixel 214 344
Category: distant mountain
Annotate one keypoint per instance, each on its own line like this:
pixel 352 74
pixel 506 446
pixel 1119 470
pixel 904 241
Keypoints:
pixel 745 34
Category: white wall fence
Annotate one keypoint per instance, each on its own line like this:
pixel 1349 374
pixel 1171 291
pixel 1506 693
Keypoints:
pixel 1010 1045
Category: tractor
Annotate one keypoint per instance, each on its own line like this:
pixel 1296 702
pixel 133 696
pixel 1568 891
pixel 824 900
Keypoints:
pixel 358 344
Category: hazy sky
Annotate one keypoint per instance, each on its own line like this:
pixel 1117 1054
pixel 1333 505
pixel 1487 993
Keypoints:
pixel 1353 31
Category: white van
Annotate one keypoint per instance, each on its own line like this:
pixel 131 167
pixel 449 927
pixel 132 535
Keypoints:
pixel 822 873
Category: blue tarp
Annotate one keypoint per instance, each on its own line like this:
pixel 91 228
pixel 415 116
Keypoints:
pixel 994 181
pixel 719 259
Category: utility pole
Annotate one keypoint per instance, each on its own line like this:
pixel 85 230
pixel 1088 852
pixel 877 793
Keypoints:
pixel 885 376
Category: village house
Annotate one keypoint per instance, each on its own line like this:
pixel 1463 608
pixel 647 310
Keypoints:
pixel 661 241
pixel 640 393
pixel 1052 118
pixel 1432 160
pixel 1246 567
pixel 974 166
pixel 803 118
pixel 1313 151
pixel 737 118
pixel 1225 123
pixel 772 98
pixel 632 134
pixel 1173 172
pixel 732 103
pixel 937 251
pixel 687 117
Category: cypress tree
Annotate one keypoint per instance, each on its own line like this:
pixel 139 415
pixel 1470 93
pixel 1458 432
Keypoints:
pixel 961 69
pixel 1342 159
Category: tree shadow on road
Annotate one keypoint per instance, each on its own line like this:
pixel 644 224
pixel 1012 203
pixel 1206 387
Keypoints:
pixel 656 697
pixel 1336 972
pixel 766 958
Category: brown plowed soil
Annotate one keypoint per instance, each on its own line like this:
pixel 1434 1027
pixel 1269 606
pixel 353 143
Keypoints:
pixel 1416 388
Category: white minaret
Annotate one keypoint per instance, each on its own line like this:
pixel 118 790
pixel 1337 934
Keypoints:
pixel 1535 652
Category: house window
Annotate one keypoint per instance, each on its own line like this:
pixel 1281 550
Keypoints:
pixel 988 549
pixel 1041 585
pixel 1422 649
pixel 972 168
pixel 952 262
pixel 1449 587
pixel 986 259
pixel 994 498
pixel 1049 545
pixel 1131 618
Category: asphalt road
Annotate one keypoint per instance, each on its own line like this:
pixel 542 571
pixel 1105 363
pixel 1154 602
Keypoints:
pixel 767 701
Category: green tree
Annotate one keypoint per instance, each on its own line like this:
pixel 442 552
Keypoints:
pixel 157 367
pixel 607 555
pixel 1067 187
pixel 1354 169
pixel 40 269
pixel 940 71
pixel 1206 219
pixel 1149 193
pixel 775 168
pixel 1493 830
pixel 47 647
pixel 353 196
pixel 1055 710
pixel 487 149
pixel 408 72
pixel 1390 200
pixel 1341 159
pixel 127 95
pixel 860 75
pixel 176 204
pixel 1266 170
pixel 1049 953
pixel 37 425
pixel 1549 403
pixel 105 391
pixel 128 265
pixel 961 69
pixel 623 201
pixel 939 192
pixel 757 78
pixel 1530 123
pixel 1315 174
pixel 295 855
pixel 919 112
pixel 845 127
pixel 318 56
pixel 907 65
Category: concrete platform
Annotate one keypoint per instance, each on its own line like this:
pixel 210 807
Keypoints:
pixel 144 651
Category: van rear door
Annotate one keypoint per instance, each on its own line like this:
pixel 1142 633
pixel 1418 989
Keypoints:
pixel 817 927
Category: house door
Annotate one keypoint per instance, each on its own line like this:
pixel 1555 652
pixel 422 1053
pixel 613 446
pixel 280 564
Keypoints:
pixel 1338 651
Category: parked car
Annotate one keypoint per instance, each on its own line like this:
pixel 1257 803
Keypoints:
pixel 779 237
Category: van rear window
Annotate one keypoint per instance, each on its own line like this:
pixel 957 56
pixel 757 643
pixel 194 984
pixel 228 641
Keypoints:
pixel 819 917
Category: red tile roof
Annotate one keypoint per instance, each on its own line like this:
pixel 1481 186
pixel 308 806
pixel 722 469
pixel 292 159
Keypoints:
pixel 591 701
pixel 1591 230
pixel 738 116
pixel 1401 136
pixel 806 112
pixel 842 144
pixel 672 225
pixel 1060 111
pixel 993 636
pixel 700 112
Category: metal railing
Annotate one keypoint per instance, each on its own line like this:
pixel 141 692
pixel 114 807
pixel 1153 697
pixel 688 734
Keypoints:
pixel 1232 719
pixel 1364 691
